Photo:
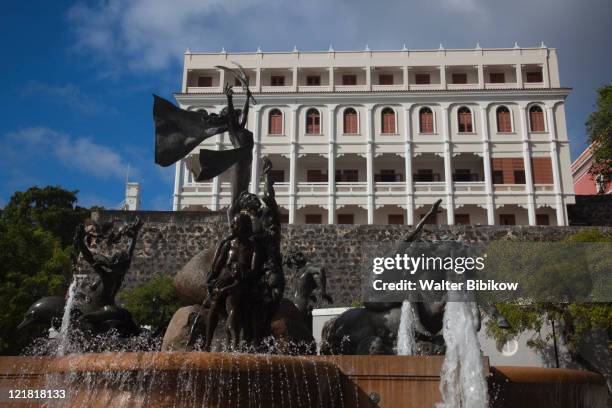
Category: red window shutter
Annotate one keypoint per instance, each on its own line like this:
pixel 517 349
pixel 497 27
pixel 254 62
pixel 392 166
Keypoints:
pixel 276 123
pixel 503 121
pixel 426 122
pixel 350 122
pixel 313 122
pixel 388 121
pixel 536 118
pixel 465 122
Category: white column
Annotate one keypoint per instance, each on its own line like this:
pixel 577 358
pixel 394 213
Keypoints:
pixel 405 75
pixel 448 167
pixel 481 76
pixel 222 79
pixel 331 79
pixel 486 159
pixel 554 158
pixel 519 75
pixel 408 166
pixel 258 79
pixel 527 163
pixel 256 148
pixel 176 198
pixel 369 120
pixel 331 165
pixel 293 164
pixel 295 79
pixel 443 76
pixel 545 76
pixel 368 78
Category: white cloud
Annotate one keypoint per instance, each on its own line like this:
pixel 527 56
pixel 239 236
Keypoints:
pixel 78 153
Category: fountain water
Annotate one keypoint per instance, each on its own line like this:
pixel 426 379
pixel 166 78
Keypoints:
pixel 63 336
pixel 405 335
pixel 462 380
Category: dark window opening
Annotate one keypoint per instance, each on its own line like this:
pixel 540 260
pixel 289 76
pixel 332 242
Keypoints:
pixel 277 80
pixel 204 81
pixel 422 79
pixel 349 79
pixel 346 219
pixel 313 80
pixel 459 78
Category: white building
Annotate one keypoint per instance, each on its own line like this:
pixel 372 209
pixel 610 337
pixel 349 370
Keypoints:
pixel 483 129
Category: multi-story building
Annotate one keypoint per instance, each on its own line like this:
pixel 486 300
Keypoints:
pixel 375 137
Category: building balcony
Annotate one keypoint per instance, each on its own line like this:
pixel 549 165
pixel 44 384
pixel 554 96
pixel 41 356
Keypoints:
pixel 501 85
pixel 509 188
pixel 204 89
pixel 424 87
pixel 462 86
pixel 309 188
pixel 394 87
pixel 351 188
pixel 429 187
pixel 283 88
pixel 351 88
pixel 315 88
pixel 469 187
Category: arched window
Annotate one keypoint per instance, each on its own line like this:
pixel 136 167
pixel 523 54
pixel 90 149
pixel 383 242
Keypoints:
pixel 426 123
pixel 504 123
pixel 536 119
pixel 464 117
pixel 387 121
pixel 350 121
pixel 275 122
pixel 313 122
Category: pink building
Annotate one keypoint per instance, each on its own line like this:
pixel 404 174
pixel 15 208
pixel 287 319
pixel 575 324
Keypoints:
pixel 584 182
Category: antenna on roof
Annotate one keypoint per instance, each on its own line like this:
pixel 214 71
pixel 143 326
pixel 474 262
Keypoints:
pixel 331 48
pixel 404 47
pixel 542 45
pixel 516 45
pixel 367 48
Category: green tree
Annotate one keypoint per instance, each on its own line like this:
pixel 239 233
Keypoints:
pixel 578 320
pixel 599 128
pixel 50 208
pixel 36 229
pixel 152 303
pixel 33 264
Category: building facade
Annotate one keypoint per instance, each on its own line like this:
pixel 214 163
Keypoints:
pixel 584 182
pixel 375 137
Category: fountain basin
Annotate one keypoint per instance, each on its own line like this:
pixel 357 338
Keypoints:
pixel 188 379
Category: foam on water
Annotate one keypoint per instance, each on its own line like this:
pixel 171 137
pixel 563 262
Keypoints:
pixel 405 334
pixel 462 380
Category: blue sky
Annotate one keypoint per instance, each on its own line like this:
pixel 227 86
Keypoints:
pixel 78 76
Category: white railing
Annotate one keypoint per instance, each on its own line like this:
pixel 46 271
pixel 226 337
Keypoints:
pixel 502 85
pixel 429 187
pixel 197 188
pixel 544 187
pixel 204 89
pixel 424 87
pixel 509 188
pixel 462 86
pixel 395 87
pixel 315 88
pixel 312 188
pixel 466 187
pixel 284 88
pixel 353 88
pixel 351 187
pixel 389 187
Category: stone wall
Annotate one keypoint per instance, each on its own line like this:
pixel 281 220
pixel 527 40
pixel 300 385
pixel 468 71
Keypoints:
pixel 168 240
